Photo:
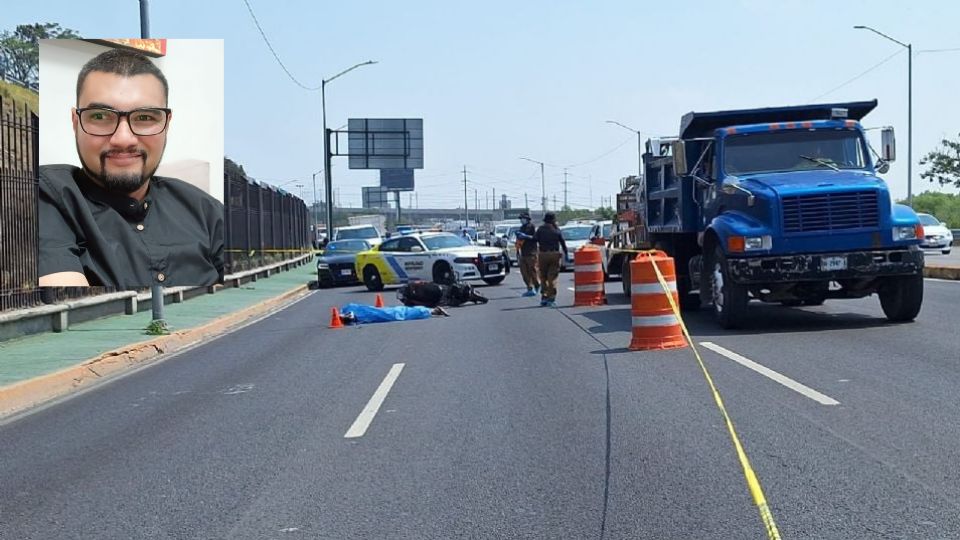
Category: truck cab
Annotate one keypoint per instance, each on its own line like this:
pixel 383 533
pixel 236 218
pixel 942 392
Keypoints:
pixel 782 205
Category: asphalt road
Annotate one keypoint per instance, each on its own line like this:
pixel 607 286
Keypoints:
pixel 935 256
pixel 508 421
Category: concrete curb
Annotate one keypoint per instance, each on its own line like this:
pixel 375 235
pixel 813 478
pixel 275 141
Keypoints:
pixel 24 395
pixel 942 272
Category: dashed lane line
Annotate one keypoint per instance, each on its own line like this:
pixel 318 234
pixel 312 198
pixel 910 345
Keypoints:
pixel 769 373
pixel 366 416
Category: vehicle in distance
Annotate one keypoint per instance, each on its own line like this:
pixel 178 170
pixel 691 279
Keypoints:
pixel 936 235
pixel 370 233
pixel 575 236
pixel 336 263
pixel 439 257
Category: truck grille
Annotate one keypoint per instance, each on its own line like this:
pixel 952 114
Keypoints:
pixel 831 212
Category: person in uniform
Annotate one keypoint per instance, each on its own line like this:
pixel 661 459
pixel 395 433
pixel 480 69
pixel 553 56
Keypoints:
pixel 528 255
pixel 550 241
pixel 112 222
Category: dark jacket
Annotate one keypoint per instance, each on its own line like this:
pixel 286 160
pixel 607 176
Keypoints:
pixel 549 238
pixel 529 246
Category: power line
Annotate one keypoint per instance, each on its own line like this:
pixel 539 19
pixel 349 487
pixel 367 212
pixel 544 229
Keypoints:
pixel 937 50
pixel 875 66
pixel 603 155
pixel 275 55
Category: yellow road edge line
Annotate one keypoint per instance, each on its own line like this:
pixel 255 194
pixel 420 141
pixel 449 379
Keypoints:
pixel 753 483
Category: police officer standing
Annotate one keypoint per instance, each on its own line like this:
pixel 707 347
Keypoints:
pixel 528 255
pixel 550 240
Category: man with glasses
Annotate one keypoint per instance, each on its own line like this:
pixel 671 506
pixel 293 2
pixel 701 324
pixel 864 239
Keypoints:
pixel 112 222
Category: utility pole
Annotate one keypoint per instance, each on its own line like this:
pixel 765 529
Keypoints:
pixel 398 206
pixel 466 209
pixel 526 203
pixel 476 206
pixel 564 187
pixel 156 291
pixel 554 201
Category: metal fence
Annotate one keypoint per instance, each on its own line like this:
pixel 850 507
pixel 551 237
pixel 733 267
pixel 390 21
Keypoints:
pixel 19 167
pixel 262 224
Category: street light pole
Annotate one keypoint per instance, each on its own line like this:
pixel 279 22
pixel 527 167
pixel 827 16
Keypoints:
pixel 909 47
pixel 639 145
pixel 543 185
pixel 328 177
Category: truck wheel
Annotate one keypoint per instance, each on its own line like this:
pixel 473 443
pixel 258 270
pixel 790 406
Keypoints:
pixel 372 279
pixel 901 297
pixel 729 298
pixel 493 280
pixel 688 302
pixel 443 274
pixel 625 276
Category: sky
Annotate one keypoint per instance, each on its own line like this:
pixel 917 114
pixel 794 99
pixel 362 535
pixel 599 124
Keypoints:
pixel 495 81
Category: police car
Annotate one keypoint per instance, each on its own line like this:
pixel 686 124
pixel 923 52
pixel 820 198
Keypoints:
pixel 439 257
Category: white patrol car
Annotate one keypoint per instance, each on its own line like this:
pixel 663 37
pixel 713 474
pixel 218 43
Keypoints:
pixel 438 257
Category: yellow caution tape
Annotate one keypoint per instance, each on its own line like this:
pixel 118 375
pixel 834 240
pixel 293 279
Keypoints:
pixel 753 483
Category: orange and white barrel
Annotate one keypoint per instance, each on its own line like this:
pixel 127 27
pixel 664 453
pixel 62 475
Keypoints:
pixel 588 277
pixel 655 325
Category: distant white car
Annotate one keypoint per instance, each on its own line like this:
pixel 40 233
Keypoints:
pixel 936 235
pixel 575 236
pixel 359 232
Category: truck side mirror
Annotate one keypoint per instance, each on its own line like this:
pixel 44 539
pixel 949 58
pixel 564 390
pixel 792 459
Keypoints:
pixel 679 158
pixel 889 144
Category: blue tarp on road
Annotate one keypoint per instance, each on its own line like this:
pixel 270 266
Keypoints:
pixel 370 314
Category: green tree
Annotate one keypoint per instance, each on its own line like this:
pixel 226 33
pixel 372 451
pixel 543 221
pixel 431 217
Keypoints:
pixel 20 49
pixel 944 206
pixel 944 163
pixel 606 212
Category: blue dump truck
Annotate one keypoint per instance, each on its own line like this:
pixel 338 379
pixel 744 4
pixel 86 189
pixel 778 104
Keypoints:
pixel 779 205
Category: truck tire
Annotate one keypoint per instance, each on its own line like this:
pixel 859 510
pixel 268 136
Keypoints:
pixel 729 298
pixel 372 279
pixel 901 297
pixel 625 276
pixel 688 302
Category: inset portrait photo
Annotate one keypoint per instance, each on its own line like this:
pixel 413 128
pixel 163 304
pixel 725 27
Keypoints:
pixel 131 163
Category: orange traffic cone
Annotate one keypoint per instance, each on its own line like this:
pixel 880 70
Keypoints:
pixel 379 302
pixel 335 321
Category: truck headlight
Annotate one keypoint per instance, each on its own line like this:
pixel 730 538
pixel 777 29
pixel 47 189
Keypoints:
pixel 323 266
pixel 908 233
pixel 757 242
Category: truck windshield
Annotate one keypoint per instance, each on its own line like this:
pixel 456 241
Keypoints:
pixel 793 151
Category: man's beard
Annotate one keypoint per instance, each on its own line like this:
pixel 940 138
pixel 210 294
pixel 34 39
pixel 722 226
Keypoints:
pixel 121 183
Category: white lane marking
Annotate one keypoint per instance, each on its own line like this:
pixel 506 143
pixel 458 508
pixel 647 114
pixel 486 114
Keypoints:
pixel 939 280
pixel 363 421
pixel 767 372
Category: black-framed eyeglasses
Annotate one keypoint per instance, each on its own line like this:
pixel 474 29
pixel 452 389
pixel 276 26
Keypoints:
pixel 103 121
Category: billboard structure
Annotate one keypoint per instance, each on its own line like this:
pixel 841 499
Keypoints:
pixel 375 197
pixel 385 143
pixel 396 179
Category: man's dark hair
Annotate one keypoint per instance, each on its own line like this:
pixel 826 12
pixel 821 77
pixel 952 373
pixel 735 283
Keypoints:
pixel 124 63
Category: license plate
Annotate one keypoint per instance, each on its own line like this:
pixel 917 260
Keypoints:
pixel 346 272
pixel 833 263
pixel 493 267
